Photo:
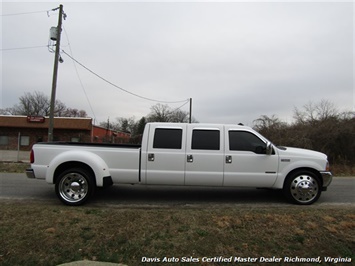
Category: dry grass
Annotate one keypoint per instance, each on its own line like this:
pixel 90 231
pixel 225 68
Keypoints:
pixel 43 234
pixel 12 167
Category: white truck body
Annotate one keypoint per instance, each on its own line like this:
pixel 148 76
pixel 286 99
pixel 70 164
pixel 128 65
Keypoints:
pixel 185 155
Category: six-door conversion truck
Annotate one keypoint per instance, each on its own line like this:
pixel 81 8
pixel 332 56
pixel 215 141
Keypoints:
pixel 178 154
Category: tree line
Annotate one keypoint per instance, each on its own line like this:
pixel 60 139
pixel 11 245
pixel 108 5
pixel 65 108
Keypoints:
pixel 38 104
pixel 317 126
pixel 158 113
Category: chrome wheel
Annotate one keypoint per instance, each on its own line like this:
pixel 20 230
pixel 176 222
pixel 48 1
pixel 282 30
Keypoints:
pixel 302 187
pixel 75 186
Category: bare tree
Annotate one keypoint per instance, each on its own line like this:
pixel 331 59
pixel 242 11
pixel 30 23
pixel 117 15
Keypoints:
pixel 73 112
pixel 315 112
pixel 266 122
pixel 38 104
pixel 35 103
pixel 159 113
pixel 163 113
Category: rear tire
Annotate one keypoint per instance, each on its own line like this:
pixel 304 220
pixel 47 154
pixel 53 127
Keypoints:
pixel 74 186
pixel 302 187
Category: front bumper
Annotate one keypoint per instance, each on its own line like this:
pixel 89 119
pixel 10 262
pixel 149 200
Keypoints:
pixel 30 173
pixel 327 179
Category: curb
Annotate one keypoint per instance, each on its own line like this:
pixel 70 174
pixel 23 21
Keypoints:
pixel 91 263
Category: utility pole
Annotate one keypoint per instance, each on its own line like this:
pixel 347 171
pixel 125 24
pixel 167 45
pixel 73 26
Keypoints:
pixel 55 74
pixel 190 115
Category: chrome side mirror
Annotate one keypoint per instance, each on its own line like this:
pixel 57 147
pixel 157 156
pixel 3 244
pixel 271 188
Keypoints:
pixel 268 148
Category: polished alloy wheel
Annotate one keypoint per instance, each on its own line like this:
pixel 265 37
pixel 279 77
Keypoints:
pixel 73 187
pixel 304 188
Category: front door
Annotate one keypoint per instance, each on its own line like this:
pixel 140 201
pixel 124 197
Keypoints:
pixel 246 162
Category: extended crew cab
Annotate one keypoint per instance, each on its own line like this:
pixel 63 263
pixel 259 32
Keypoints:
pixel 179 154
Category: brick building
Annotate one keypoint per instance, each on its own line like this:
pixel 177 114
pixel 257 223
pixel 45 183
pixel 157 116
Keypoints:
pixel 104 135
pixel 24 131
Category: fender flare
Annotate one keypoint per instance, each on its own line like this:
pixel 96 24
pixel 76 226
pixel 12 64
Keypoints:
pixel 303 164
pixel 92 160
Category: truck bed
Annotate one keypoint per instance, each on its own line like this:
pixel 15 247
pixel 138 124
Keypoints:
pixel 110 145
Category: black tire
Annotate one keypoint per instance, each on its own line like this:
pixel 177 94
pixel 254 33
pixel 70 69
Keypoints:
pixel 302 187
pixel 75 186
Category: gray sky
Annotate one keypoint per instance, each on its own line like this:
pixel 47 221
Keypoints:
pixel 236 60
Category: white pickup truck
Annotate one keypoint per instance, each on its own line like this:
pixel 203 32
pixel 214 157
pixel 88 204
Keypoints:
pixel 177 154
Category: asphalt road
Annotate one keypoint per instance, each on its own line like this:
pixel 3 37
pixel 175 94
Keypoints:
pixel 19 187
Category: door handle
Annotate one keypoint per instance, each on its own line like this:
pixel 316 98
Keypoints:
pixel 151 157
pixel 228 159
pixel 190 158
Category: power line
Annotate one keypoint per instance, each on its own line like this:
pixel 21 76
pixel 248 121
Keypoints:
pixel 23 48
pixel 118 87
pixel 25 13
pixel 187 101
pixel 77 73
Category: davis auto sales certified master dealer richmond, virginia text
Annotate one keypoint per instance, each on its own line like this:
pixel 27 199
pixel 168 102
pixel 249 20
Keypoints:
pixel 234 259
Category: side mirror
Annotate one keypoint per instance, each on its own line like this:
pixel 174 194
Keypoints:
pixel 268 148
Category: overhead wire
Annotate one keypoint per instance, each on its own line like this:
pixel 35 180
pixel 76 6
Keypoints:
pixel 77 73
pixel 118 87
pixel 25 13
pixel 82 65
pixel 23 48
pixel 187 101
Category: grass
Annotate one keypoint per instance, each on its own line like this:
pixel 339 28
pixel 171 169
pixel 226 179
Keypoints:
pixel 39 233
pixel 34 233
pixel 13 167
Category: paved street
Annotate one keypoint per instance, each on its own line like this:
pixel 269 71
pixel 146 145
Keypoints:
pixel 19 187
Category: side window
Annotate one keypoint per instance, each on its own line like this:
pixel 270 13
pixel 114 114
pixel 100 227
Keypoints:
pixel 167 138
pixel 205 139
pixel 4 140
pixel 246 141
pixel 25 141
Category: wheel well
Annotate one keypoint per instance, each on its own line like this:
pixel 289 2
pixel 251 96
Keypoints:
pixel 67 165
pixel 306 169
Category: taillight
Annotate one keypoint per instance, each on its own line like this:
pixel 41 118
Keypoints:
pixel 32 157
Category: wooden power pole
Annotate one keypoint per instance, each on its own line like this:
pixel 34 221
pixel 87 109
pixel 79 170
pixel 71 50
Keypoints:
pixel 190 114
pixel 55 74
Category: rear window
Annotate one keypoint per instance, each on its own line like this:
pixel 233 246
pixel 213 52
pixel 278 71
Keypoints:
pixel 167 138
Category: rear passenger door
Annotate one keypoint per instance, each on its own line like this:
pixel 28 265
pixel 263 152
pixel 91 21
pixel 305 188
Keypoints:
pixel 204 156
pixel 165 157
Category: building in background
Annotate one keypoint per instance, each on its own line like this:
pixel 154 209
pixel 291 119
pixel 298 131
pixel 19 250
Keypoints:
pixel 21 132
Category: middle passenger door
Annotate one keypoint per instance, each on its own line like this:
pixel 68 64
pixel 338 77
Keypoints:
pixel 204 156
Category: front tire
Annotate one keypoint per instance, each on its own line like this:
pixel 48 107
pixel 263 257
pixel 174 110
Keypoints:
pixel 74 186
pixel 302 187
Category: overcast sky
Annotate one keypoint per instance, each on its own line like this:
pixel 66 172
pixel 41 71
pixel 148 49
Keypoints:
pixel 236 60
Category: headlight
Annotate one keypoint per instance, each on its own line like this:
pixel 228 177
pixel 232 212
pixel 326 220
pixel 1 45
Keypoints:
pixel 327 167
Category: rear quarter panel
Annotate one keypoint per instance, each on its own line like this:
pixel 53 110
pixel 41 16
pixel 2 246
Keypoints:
pixel 122 164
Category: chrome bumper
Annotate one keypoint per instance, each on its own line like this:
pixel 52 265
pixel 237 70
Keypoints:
pixel 30 173
pixel 327 179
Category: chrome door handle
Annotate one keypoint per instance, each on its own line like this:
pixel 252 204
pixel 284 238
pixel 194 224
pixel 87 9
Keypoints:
pixel 151 157
pixel 228 159
pixel 190 158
